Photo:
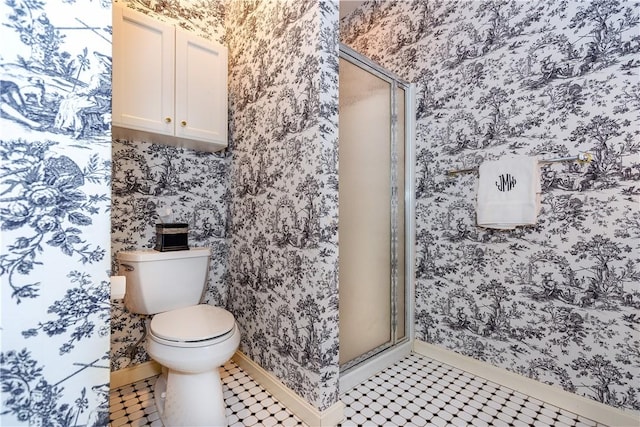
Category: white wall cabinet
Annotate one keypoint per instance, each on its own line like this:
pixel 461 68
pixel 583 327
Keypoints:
pixel 169 86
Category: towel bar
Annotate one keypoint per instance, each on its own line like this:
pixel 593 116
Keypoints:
pixel 580 158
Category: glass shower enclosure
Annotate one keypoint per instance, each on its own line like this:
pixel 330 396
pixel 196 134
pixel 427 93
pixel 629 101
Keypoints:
pixel 375 211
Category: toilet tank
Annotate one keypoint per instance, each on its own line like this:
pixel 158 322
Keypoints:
pixel 162 281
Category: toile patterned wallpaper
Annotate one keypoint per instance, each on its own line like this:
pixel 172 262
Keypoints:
pixel 204 18
pixel 558 302
pixel 146 179
pixel 55 162
pixel 283 256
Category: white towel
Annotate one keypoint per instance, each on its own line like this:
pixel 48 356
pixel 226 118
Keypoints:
pixel 508 192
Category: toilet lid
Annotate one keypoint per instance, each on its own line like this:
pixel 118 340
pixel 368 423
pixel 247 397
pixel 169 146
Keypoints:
pixel 194 323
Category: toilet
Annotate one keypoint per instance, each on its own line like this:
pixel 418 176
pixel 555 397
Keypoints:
pixel 190 340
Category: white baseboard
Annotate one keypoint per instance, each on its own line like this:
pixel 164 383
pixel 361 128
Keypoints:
pixel 134 373
pixel 588 408
pixel 553 395
pixel 301 408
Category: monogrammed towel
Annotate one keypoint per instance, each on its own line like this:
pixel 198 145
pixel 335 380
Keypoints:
pixel 508 192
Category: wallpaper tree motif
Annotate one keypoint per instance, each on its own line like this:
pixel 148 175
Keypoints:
pixel 558 302
pixel 283 230
pixel 148 178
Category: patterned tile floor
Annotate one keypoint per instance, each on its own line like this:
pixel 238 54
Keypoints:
pixel 417 391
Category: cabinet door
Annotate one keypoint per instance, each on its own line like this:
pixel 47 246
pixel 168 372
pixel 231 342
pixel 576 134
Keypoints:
pixel 201 89
pixel 143 73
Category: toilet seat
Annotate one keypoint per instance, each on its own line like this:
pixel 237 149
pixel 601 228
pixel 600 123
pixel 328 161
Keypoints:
pixel 196 326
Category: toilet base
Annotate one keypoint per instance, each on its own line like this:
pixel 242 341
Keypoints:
pixel 178 405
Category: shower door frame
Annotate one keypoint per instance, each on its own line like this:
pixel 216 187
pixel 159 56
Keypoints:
pixel 362 367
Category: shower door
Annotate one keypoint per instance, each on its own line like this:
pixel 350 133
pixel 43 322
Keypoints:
pixel 372 197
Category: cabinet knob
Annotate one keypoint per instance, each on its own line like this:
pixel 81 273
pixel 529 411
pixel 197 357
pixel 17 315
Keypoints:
pixel 167 120
pixel 183 123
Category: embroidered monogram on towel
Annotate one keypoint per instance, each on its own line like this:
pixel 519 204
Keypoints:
pixel 508 192
pixel 506 182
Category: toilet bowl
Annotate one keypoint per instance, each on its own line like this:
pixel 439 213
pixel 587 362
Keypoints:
pixel 190 340
pixel 191 343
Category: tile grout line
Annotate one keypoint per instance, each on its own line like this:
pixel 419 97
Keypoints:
pixel 416 390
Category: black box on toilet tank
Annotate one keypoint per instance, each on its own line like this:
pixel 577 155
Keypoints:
pixel 172 237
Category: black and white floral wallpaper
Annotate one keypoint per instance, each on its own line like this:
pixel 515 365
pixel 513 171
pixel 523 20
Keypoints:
pixel 149 178
pixel 558 302
pixel 283 205
pixel 204 18
pixel 55 163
